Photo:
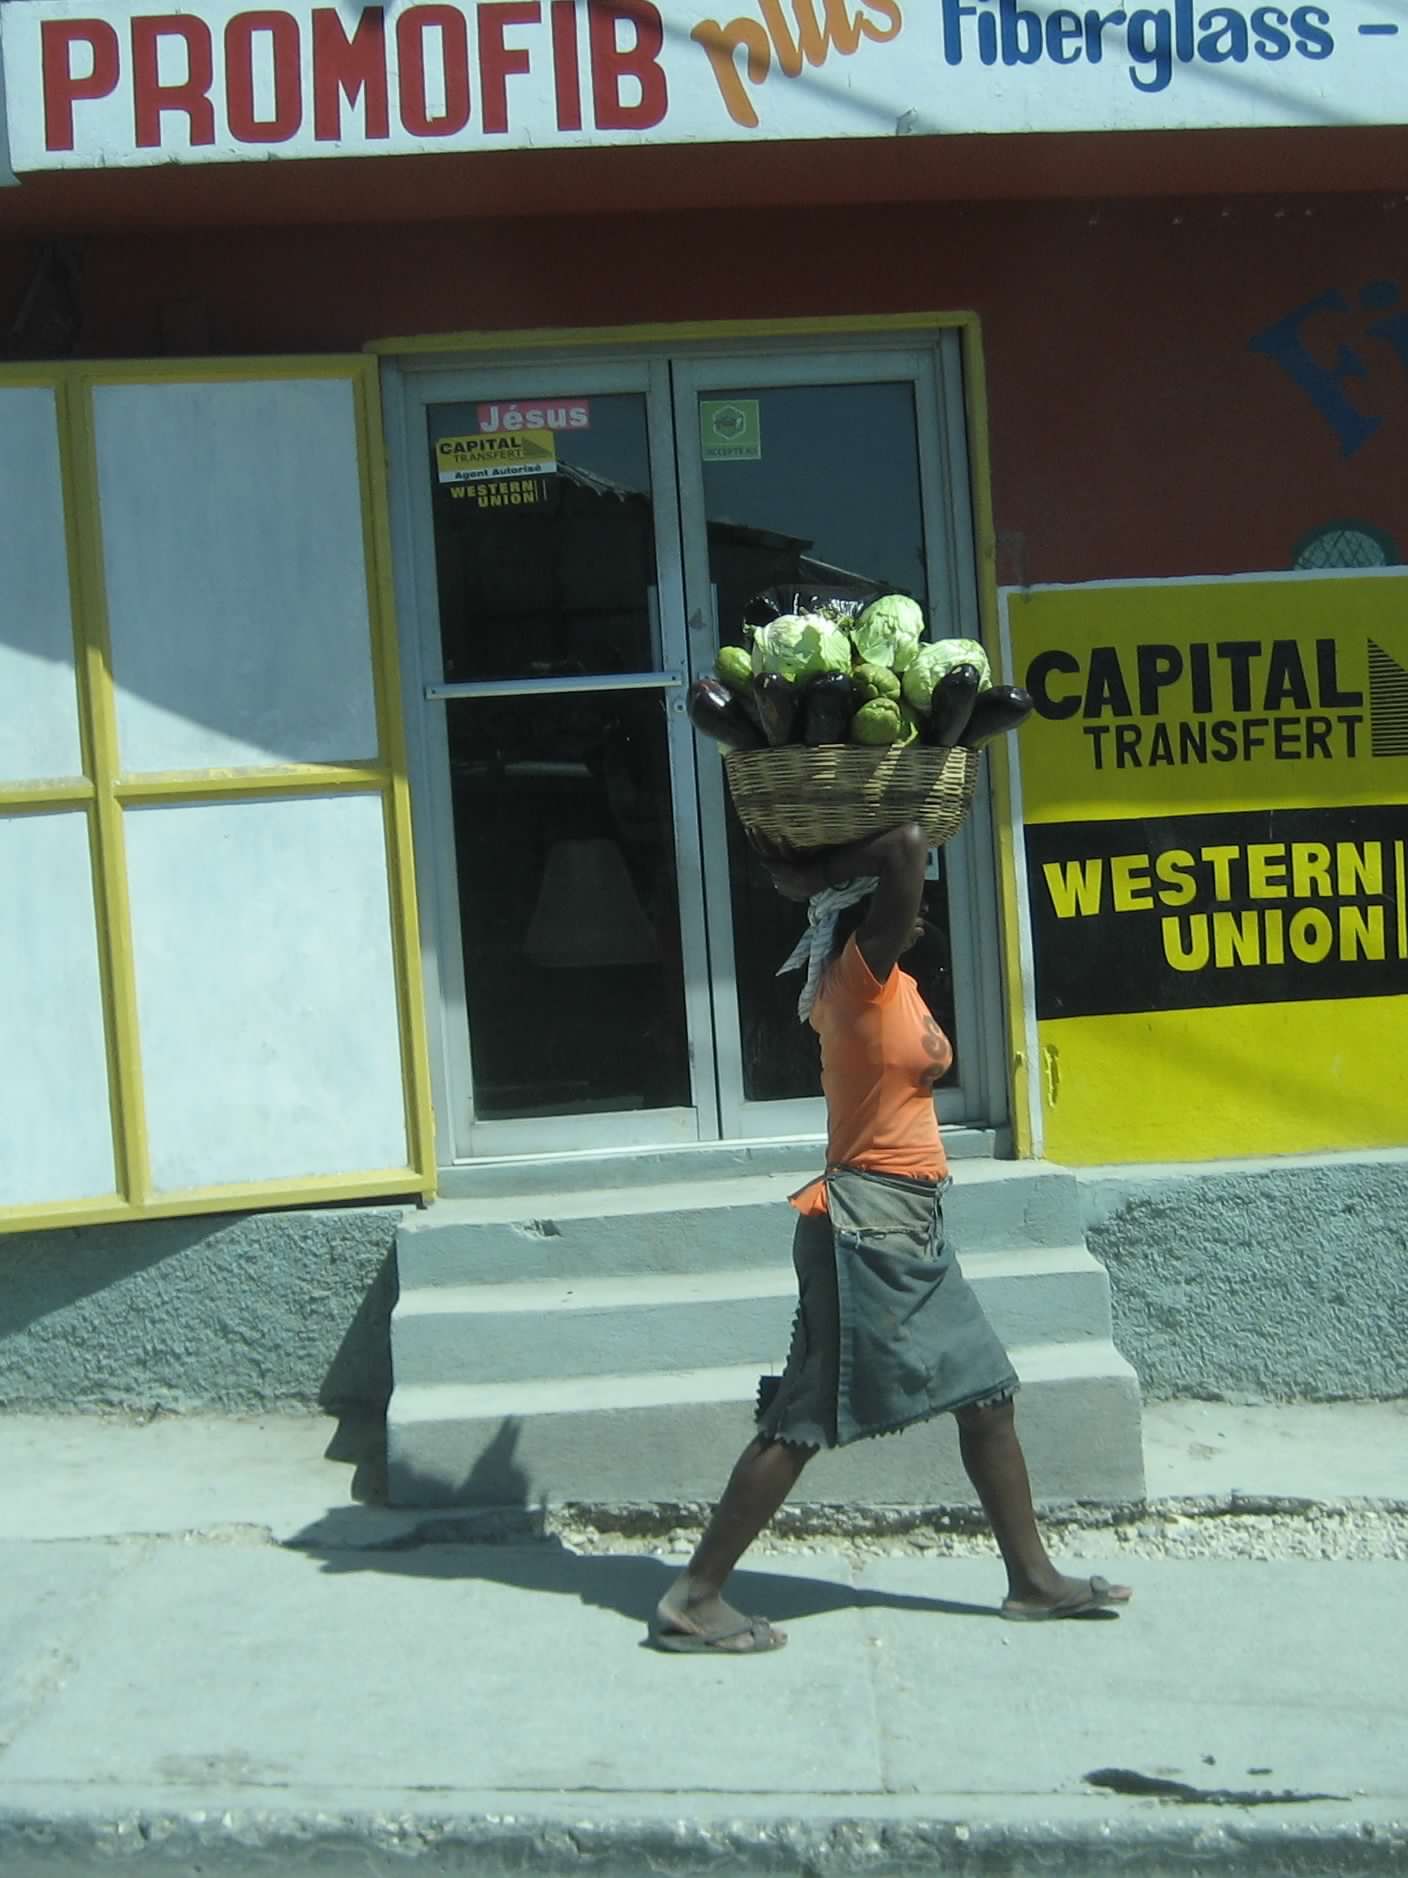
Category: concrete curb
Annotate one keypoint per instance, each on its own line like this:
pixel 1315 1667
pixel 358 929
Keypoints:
pixel 875 1838
pixel 835 1523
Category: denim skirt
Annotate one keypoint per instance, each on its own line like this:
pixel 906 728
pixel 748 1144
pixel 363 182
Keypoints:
pixel 887 1331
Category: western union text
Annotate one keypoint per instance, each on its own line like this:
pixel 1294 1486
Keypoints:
pixel 1248 927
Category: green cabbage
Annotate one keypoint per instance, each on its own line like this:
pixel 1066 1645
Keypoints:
pixel 888 632
pixel 931 661
pixel 800 645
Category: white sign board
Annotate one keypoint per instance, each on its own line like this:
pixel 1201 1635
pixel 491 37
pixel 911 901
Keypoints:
pixel 126 82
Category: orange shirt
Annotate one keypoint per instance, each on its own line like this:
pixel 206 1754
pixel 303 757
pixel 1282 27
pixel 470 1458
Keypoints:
pixel 881 1054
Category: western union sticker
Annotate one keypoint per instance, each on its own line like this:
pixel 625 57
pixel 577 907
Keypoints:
pixel 486 459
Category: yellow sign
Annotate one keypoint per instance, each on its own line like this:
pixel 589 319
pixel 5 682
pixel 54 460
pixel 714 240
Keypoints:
pixel 1213 789
pixel 482 459
pixel 1289 692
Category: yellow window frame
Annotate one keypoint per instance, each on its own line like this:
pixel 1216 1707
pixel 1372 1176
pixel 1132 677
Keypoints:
pixel 104 793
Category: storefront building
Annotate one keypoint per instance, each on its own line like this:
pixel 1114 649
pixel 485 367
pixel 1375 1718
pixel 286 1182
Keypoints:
pixel 398 407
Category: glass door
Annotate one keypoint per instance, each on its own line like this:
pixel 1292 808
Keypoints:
pixel 582 535
pixel 554 671
pixel 843 473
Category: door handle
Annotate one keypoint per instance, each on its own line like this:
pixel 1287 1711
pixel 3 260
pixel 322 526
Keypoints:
pixel 540 687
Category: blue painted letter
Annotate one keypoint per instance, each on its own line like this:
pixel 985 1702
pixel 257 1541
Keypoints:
pixel 1322 385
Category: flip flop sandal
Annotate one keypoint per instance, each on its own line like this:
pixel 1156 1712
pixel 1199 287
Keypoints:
pixel 718 1642
pixel 1079 1604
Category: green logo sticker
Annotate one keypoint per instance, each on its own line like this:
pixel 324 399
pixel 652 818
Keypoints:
pixel 730 430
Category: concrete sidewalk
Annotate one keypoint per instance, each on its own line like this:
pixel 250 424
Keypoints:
pixel 213 1660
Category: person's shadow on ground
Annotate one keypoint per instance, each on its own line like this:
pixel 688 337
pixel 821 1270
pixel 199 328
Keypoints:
pixel 503 1539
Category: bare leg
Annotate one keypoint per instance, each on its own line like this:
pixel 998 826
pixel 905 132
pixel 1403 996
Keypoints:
pixel 993 1459
pixel 763 1476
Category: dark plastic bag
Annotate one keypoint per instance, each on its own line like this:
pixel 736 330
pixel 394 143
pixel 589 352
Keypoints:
pixel 840 604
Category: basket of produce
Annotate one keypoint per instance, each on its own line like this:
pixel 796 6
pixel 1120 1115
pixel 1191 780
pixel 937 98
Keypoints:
pixel 840 793
pixel 844 721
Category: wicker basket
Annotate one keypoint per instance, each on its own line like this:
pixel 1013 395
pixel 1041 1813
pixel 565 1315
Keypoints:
pixel 840 792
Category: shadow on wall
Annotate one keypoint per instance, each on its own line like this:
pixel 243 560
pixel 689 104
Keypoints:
pixel 495 1500
pixel 237 1315
pixel 359 1442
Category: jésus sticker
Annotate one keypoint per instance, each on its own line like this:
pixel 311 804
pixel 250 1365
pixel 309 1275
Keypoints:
pixel 516 414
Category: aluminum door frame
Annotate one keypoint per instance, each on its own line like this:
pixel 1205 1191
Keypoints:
pixel 410 388
pixel 945 506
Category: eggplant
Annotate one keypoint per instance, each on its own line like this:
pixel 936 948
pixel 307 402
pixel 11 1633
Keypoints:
pixel 747 702
pixel 778 699
pixel 1002 708
pixel 951 705
pixel 828 705
pixel 715 712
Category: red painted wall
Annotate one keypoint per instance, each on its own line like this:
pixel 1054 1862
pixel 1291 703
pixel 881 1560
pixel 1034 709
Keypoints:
pixel 1135 430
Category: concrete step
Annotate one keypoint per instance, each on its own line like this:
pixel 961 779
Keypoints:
pixel 573 1326
pixel 653 1437
pixel 688 1227
pixel 588 1168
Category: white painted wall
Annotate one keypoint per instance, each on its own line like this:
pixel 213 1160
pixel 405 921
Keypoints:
pixel 266 989
pixel 236 580
pixel 40 740
pixel 55 1120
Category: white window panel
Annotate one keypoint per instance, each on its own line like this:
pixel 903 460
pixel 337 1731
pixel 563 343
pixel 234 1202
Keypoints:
pixel 236 578
pixel 265 990
pixel 36 623
pixel 55 1118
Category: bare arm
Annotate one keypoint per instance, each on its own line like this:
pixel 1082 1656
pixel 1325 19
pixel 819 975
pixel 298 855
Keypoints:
pixel 898 857
pixel 890 919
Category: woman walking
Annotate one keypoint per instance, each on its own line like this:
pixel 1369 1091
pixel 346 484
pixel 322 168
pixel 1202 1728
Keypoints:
pixel 887 1331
